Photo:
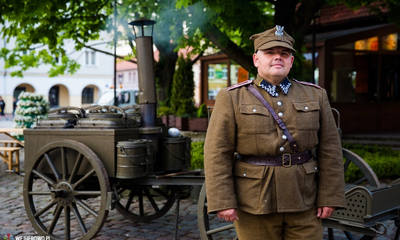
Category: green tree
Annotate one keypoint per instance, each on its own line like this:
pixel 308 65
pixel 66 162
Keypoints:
pixel 182 97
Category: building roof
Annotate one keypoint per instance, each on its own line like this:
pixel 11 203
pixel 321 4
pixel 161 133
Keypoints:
pixel 339 17
pixel 341 13
pixel 123 65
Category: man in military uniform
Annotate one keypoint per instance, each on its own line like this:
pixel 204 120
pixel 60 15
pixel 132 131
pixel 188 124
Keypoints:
pixel 274 181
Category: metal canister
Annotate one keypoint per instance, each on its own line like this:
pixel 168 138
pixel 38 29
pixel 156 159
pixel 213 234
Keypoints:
pixel 133 158
pixel 176 153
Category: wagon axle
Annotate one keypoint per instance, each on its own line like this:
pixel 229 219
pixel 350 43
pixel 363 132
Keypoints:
pixel 64 193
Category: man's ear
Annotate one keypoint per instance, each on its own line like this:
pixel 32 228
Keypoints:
pixel 255 59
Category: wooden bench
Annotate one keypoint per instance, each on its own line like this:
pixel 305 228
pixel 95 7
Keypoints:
pixel 7 154
pixel 9 143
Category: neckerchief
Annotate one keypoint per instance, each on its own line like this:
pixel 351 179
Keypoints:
pixel 271 89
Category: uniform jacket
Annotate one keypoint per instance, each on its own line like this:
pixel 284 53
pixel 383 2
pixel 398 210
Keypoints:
pixel 240 123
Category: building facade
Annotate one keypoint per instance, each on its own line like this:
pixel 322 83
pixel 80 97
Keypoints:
pixel 95 75
pixel 357 59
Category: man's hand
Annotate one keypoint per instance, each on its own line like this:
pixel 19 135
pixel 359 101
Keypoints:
pixel 228 214
pixel 325 212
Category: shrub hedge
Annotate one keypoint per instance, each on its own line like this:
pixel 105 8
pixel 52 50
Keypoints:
pixel 384 161
pixel 197 161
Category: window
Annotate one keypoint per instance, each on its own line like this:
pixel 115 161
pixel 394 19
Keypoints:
pixel 224 73
pixel 54 96
pixel 221 74
pixel 370 44
pixel 390 42
pixel 18 90
pixel 218 79
pixel 58 59
pixel 24 53
pixel 367 70
pixel 123 97
pixel 120 78
pixel 90 58
pixel 87 95
pixel 211 72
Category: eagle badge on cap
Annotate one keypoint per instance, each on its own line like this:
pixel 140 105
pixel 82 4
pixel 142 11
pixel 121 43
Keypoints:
pixel 279 32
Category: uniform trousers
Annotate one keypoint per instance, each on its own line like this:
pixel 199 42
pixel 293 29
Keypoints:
pixel 277 226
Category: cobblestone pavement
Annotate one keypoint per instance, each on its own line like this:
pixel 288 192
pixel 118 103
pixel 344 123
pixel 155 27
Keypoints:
pixel 14 219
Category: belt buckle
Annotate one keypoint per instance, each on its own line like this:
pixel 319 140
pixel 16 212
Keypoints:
pixel 283 160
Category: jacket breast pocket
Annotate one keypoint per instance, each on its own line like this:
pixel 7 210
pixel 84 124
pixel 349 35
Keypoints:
pixel 248 180
pixel 307 115
pixel 254 118
pixel 310 182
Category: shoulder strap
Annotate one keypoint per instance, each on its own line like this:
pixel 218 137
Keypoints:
pixel 308 83
pixel 239 85
pixel 258 95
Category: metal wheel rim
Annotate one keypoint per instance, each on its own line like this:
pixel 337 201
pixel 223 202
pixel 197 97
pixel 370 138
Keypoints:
pixel 369 174
pixel 142 193
pixel 203 219
pixel 369 177
pixel 70 207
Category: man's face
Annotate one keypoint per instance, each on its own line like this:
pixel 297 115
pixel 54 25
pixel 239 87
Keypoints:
pixel 274 63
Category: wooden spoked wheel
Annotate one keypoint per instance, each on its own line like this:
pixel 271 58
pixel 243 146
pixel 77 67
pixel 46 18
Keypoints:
pixel 210 226
pixel 145 203
pixel 65 191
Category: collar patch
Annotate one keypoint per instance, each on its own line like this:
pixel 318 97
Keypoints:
pixel 271 89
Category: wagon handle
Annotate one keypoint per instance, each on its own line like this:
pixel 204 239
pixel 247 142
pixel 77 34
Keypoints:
pixel 133 161
pixel 338 122
pixel 209 110
pixel 338 113
pixel 108 108
pixel 148 151
pixel 378 225
pixel 182 159
pixel 66 109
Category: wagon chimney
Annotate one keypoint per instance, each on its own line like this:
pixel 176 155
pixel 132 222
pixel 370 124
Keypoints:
pixel 143 29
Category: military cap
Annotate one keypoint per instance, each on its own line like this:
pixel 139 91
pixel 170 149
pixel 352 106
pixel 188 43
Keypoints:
pixel 275 37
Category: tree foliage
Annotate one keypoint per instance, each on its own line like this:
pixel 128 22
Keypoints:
pixel 182 97
pixel 43 27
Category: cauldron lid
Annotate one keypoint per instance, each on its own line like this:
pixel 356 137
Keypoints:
pixel 103 115
pixel 62 115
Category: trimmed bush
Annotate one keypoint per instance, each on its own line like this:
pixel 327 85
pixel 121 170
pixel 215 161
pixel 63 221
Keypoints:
pixel 197 155
pixel 384 161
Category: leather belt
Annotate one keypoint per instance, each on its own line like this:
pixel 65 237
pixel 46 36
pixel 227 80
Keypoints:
pixel 285 160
